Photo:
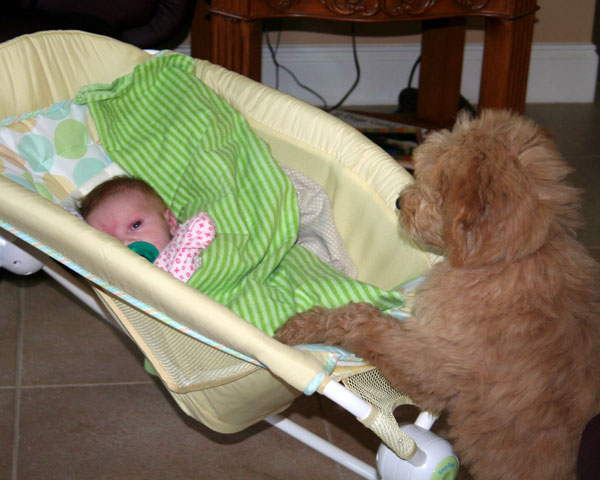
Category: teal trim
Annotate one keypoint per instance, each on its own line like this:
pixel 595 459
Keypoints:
pixel 36 113
pixel 315 383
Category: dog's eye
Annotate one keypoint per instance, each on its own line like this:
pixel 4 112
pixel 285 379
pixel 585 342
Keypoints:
pixel 398 202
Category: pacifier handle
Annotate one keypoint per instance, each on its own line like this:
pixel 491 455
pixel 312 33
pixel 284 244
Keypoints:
pixel 145 249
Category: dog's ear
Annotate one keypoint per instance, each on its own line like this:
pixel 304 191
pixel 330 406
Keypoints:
pixel 462 208
pixel 490 210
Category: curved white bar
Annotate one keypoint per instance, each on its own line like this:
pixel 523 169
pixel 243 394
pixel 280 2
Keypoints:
pixel 322 446
pixel 345 398
pixel 425 420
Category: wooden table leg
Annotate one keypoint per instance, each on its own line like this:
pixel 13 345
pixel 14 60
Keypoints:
pixel 506 54
pixel 200 39
pixel 237 45
pixel 442 51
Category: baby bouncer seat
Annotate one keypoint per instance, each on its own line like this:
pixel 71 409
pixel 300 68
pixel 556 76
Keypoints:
pixel 221 370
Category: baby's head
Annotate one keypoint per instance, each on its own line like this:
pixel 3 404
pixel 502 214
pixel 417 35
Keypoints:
pixel 130 210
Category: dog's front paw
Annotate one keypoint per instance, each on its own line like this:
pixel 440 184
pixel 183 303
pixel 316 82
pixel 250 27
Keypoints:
pixel 302 328
pixel 332 326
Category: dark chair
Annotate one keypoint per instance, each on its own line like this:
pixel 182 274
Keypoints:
pixel 144 23
pixel 588 463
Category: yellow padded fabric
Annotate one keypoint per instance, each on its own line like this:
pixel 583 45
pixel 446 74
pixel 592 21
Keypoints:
pixel 47 67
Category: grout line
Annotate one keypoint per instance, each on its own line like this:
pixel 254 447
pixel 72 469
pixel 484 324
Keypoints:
pixel 18 374
pixel 87 385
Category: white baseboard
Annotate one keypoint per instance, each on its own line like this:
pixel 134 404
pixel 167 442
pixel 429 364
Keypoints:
pixel 558 72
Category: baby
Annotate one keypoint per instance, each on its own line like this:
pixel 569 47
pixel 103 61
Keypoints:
pixel 130 210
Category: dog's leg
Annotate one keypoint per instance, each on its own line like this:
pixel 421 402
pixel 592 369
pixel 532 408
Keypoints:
pixel 332 326
pixel 384 341
pixel 358 327
pixel 304 328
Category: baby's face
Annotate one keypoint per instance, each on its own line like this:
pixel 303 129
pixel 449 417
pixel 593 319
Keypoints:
pixel 132 216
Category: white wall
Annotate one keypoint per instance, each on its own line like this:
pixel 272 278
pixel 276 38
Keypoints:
pixel 558 72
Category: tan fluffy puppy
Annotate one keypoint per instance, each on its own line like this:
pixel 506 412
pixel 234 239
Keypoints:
pixel 505 337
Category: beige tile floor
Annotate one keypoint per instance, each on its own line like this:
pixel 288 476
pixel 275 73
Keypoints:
pixel 75 402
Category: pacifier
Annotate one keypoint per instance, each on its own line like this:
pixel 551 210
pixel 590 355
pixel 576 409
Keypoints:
pixel 145 249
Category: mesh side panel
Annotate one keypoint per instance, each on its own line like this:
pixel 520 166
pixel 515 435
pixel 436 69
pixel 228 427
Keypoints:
pixel 184 363
pixel 375 390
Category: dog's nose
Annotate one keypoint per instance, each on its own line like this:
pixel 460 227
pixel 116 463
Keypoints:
pixel 398 206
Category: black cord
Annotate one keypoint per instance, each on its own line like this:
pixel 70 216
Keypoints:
pixel 407 99
pixel 413 70
pixel 278 66
pixel 274 52
pixel 284 68
pixel 356 66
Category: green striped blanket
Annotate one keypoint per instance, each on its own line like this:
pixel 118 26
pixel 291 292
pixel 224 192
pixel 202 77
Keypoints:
pixel 163 124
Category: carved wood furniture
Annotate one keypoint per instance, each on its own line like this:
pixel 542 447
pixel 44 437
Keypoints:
pixel 236 42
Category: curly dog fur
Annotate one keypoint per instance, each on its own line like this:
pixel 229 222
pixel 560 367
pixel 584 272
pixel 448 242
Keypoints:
pixel 505 337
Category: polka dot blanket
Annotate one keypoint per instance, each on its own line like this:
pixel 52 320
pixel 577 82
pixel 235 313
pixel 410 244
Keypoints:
pixel 51 151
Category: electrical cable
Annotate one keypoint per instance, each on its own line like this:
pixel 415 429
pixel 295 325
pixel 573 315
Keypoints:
pixel 413 70
pixel 273 51
pixel 407 99
pixel 356 66
pixel 285 69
